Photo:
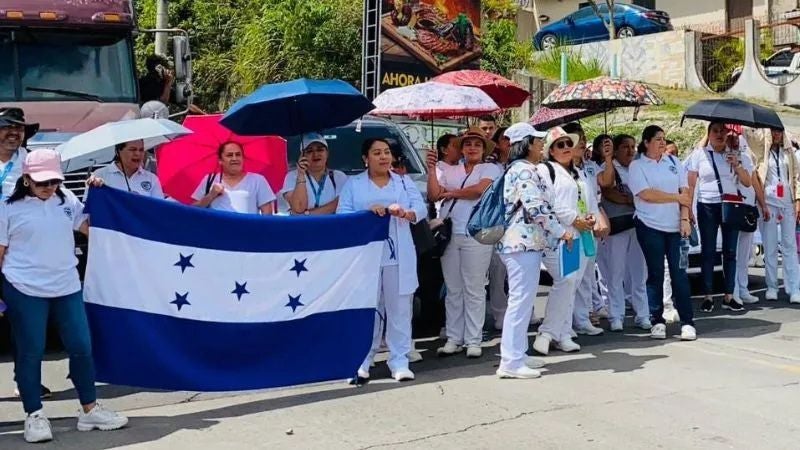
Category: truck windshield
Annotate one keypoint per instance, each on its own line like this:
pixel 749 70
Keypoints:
pixel 66 65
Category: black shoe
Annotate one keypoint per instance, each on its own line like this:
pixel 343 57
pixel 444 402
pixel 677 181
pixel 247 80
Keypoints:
pixel 46 392
pixel 733 305
pixel 707 306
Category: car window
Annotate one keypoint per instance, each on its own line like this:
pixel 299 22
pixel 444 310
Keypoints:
pixel 581 14
pixel 782 59
pixel 345 147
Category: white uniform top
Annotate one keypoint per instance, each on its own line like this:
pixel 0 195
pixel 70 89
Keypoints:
pixel 666 175
pixel 247 197
pixel 453 179
pixel 566 193
pixel 12 170
pixel 40 256
pixel 774 159
pixel 749 193
pixel 330 188
pixel 141 182
pixel 707 189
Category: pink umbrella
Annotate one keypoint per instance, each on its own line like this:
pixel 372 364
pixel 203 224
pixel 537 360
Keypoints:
pixel 184 162
pixel 503 91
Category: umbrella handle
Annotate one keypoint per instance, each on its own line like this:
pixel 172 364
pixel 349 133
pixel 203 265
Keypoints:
pixel 683 117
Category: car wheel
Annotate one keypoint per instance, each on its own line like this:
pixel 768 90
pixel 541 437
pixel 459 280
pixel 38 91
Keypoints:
pixel 549 42
pixel 626 32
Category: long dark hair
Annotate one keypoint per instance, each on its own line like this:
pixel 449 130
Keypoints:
pixel 648 134
pixel 597 147
pixel 21 191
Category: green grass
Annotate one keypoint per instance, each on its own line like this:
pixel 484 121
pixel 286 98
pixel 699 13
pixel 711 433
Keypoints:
pixel 547 64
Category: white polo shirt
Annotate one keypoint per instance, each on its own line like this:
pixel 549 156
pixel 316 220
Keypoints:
pixel 142 182
pixel 248 196
pixel 707 188
pixel 40 255
pixel 666 175
pixel 319 194
pixel 12 169
pixel 454 178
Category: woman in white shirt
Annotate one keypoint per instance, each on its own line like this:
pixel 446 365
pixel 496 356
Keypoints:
pixel 313 188
pixel 574 211
pixel 37 255
pixel 233 189
pixel 533 228
pixel 379 190
pixel 465 261
pixel 715 171
pixel 126 172
pixel 662 200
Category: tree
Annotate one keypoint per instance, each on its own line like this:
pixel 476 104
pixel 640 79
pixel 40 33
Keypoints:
pixel 502 52
pixel 609 20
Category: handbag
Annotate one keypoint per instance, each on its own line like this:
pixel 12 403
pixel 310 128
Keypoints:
pixel 736 213
pixel 423 238
pixel 620 224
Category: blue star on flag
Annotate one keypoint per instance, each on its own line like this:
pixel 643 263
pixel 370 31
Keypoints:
pixel 294 303
pixel 181 300
pixel 185 262
pixel 240 290
pixel 299 266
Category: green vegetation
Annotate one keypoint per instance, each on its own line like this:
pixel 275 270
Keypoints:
pixel 725 54
pixel 547 64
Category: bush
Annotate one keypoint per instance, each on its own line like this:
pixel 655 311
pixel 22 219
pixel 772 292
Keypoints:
pixel 547 65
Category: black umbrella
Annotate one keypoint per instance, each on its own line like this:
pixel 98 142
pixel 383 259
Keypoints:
pixel 734 111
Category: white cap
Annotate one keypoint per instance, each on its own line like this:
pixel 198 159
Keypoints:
pixel 310 138
pixel 519 131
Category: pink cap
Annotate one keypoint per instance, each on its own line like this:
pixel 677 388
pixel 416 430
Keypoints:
pixel 42 165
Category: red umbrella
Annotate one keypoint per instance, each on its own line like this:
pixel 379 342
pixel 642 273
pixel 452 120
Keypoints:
pixel 503 91
pixel 546 118
pixel 184 162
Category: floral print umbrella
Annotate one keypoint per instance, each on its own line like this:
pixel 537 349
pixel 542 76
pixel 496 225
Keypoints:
pixel 434 100
pixel 546 118
pixel 603 93
pixel 503 91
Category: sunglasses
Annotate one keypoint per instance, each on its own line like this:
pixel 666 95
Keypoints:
pixel 561 145
pixel 48 183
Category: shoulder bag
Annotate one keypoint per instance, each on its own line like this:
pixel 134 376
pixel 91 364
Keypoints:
pixel 735 212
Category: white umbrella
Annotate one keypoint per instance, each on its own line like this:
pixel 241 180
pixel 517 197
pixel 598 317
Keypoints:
pixel 434 100
pixel 97 145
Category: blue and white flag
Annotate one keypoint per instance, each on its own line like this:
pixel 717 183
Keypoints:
pixel 185 298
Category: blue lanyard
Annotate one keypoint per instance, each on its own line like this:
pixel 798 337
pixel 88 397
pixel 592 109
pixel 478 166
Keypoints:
pixel 5 173
pixel 318 190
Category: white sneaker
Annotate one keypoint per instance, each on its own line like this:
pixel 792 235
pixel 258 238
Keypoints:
pixel 616 325
pixel 403 375
pixel 542 343
pixel 644 324
pixel 100 418
pixel 688 333
pixel 573 334
pixel 602 313
pixel 659 331
pixel 589 330
pixel 37 428
pixel 450 348
pixel 414 356
pixel 521 373
pixel 474 351
pixel 771 295
pixel 795 298
pixel 748 298
pixel 671 315
pixel 361 379
pixel 568 346
pixel 534 363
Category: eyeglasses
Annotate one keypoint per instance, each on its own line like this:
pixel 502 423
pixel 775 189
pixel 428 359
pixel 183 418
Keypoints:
pixel 48 183
pixel 563 144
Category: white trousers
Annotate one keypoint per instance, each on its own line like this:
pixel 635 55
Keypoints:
pixel 557 322
pixel 498 300
pixel 584 295
pixel 523 269
pixel 774 233
pixel 744 251
pixel 600 295
pixel 394 310
pixel 625 270
pixel 464 265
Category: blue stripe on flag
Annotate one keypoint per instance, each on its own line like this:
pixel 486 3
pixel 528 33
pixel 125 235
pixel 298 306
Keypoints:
pixel 189 226
pixel 179 354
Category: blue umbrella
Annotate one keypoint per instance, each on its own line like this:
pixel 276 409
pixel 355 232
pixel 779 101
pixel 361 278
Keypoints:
pixel 296 107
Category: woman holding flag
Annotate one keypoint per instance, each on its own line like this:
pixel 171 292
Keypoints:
pixel 383 192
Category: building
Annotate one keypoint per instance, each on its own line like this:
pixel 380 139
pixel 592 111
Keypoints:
pixel 709 16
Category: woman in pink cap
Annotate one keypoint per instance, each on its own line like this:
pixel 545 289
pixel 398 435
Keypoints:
pixel 37 256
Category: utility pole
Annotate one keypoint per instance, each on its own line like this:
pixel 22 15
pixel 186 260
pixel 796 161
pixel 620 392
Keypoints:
pixel 162 22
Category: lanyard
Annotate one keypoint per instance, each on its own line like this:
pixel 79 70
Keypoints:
pixel 777 164
pixel 317 190
pixel 582 208
pixel 6 172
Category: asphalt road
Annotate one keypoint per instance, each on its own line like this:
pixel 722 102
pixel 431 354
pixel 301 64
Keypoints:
pixel 736 387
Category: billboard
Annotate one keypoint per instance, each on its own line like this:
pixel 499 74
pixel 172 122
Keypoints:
pixel 423 38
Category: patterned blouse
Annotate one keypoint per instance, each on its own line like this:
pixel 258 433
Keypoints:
pixel 533 227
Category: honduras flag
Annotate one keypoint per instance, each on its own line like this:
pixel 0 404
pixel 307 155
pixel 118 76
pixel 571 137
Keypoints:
pixel 184 298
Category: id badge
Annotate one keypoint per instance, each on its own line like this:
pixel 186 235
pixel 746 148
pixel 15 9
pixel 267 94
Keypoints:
pixel 779 190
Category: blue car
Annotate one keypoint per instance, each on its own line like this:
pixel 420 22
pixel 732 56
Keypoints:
pixel 584 26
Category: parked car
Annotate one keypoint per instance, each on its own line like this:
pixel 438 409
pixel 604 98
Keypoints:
pixel 584 25
pixel 780 68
